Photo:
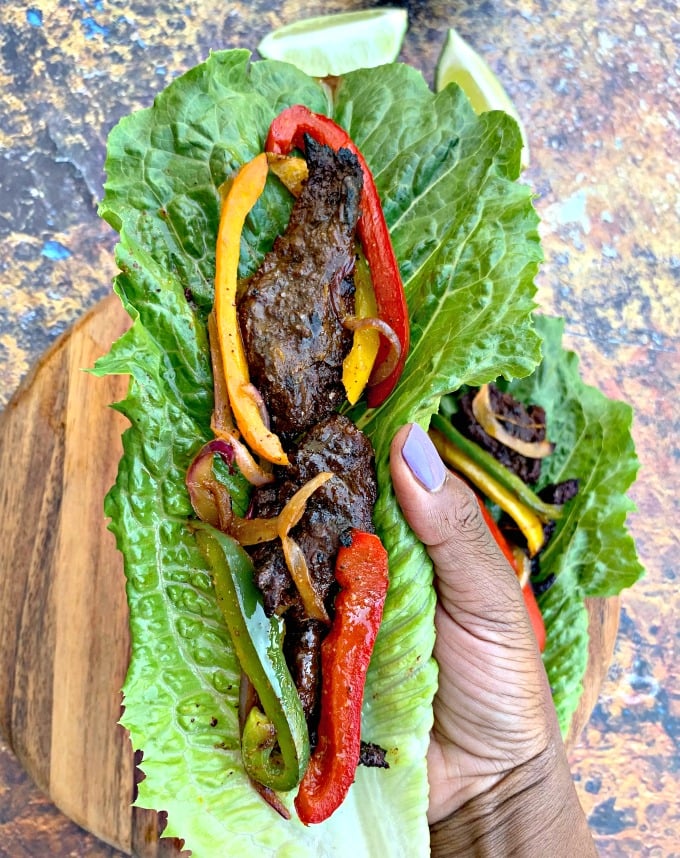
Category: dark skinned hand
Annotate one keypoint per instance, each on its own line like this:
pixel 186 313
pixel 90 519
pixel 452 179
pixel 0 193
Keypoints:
pixel 495 737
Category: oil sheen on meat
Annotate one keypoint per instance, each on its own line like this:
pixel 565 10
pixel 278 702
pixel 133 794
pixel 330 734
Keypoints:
pixel 290 314
pixel 292 308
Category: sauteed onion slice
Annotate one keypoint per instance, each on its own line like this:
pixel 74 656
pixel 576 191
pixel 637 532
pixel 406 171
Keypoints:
pixel 380 373
pixel 212 503
pixel 488 420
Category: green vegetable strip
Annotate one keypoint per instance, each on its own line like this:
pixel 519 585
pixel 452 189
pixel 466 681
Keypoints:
pixel 258 642
pixel 495 469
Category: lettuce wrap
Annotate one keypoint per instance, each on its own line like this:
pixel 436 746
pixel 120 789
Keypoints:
pixel 465 235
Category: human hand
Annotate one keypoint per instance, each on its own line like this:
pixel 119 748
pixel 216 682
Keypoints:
pixel 495 733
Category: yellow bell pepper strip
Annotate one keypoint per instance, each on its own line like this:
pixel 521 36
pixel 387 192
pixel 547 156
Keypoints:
pixel 292 172
pixel 362 573
pixel 358 365
pixel 286 132
pixel 244 192
pixel 545 511
pixel 275 743
pixel 526 519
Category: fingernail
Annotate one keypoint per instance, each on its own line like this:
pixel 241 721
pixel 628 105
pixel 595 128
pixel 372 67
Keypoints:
pixel 423 460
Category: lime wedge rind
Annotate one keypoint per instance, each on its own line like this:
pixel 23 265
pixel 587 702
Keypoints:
pixel 340 43
pixel 459 63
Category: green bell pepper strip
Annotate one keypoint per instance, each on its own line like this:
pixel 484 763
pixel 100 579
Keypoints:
pixel 526 519
pixel 511 482
pixel 274 744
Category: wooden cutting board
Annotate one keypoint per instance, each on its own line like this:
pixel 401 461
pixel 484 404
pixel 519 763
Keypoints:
pixel 63 612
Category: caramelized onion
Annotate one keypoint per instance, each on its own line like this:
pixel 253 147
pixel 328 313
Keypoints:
pixel 247 698
pixel 297 566
pixel 488 420
pixel 251 391
pixel 289 516
pixel 212 503
pixel 292 512
pixel 272 798
pixel 253 531
pixel 256 474
pixel 211 500
pixel 385 368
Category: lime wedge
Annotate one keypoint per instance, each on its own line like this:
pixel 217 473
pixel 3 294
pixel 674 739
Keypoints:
pixel 336 44
pixel 459 63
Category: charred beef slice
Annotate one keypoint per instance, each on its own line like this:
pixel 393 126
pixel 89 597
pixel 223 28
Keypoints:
pixel 345 501
pixel 291 310
pixel 373 756
pixel 302 648
pixel 560 493
pixel 524 422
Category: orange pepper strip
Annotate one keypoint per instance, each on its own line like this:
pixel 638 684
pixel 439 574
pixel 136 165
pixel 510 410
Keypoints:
pixel 244 192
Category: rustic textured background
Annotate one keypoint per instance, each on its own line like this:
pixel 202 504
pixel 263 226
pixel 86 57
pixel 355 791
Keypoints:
pixel 597 86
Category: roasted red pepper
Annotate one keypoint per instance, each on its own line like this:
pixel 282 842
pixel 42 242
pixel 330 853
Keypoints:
pixel 286 133
pixel 361 571
pixel 535 615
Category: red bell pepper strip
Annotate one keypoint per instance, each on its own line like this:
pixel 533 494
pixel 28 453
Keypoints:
pixel 361 571
pixel 535 615
pixel 286 133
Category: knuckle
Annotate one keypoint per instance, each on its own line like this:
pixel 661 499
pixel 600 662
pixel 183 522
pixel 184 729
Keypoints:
pixel 460 520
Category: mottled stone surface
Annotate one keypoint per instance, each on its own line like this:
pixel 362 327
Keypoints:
pixel 597 86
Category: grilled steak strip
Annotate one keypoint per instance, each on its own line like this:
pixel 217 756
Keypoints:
pixel 560 493
pixel 302 648
pixel 525 422
pixel 373 756
pixel 291 310
pixel 345 501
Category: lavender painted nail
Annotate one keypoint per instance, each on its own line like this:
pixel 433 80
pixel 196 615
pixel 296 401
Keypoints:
pixel 423 460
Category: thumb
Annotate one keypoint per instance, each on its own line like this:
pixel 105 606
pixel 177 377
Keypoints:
pixel 476 585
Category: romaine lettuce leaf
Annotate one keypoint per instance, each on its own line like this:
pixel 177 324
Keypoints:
pixel 590 552
pixel 465 234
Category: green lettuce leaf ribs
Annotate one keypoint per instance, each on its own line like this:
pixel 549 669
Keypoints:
pixel 591 552
pixel 465 235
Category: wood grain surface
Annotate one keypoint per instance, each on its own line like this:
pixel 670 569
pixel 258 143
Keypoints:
pixel 62 597
pixel 63 612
